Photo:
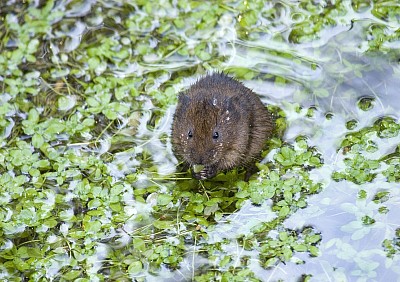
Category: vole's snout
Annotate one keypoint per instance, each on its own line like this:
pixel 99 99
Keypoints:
pixel 205 158
pixel 196 158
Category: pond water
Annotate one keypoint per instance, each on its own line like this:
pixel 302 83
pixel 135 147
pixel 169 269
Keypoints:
pixel 89 186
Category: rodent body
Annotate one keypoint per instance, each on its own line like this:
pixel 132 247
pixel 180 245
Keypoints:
pixel 219 124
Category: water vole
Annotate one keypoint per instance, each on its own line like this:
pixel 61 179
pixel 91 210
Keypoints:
pixel 219 124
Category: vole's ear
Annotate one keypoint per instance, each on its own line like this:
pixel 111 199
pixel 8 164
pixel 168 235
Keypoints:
pixel 184 99
pixel 232 103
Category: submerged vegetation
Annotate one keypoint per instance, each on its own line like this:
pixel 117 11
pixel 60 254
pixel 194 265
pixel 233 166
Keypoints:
pixel 88 185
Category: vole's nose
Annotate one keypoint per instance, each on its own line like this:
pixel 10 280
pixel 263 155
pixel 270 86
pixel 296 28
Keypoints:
pixel 196 157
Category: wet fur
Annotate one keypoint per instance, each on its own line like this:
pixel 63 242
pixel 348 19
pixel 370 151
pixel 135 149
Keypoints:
pixel 218 103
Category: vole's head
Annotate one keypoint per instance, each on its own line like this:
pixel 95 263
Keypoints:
pixel 208 133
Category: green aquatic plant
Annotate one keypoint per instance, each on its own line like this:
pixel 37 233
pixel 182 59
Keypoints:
pixel 359 168
pixel 392 247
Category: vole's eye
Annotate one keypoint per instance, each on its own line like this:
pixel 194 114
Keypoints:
pixel 190 134
pixel 215 135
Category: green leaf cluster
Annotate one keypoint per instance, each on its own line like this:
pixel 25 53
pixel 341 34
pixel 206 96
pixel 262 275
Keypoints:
pixel 282 247
pixel 392 246
pixel 357 146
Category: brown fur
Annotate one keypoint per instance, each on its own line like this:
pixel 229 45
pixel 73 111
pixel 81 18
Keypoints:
pixel 219 104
